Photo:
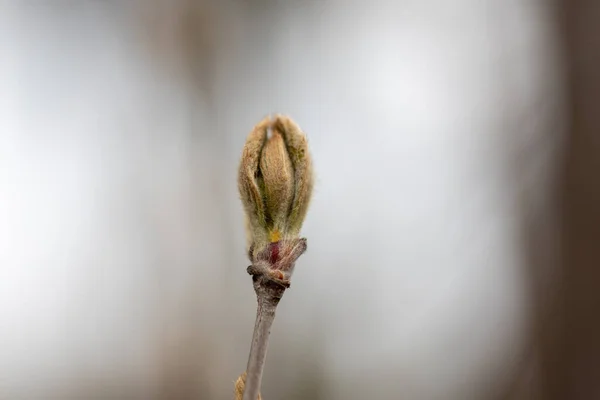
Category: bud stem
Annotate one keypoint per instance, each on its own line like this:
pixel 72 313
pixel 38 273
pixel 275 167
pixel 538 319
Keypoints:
pixel 268 294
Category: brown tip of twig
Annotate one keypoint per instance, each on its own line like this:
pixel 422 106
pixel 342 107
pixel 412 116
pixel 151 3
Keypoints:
pixel 240 384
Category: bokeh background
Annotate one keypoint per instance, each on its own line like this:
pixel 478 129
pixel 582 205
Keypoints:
pixel 453 236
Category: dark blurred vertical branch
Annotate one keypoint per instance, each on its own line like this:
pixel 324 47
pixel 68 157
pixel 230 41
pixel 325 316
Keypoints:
pixel 185 39
pixel 579 369
pixel 564 361
pixel 207 34
pixel 567 324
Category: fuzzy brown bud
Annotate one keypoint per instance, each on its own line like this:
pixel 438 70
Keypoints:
pixel 275 181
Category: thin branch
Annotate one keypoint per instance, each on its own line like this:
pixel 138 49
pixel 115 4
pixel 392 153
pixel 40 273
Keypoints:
pixel 271 273
pixel 268 294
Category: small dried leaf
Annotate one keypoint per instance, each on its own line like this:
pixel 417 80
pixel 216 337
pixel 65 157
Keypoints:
pixel 240 384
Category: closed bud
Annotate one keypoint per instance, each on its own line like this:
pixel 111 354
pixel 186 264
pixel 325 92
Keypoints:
pixel 275 181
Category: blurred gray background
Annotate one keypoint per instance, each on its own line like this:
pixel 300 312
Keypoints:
pixel 438 131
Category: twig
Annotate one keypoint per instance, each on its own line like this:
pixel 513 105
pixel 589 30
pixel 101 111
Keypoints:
pixel 268 294
pixel 270 276
pixel 275 181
